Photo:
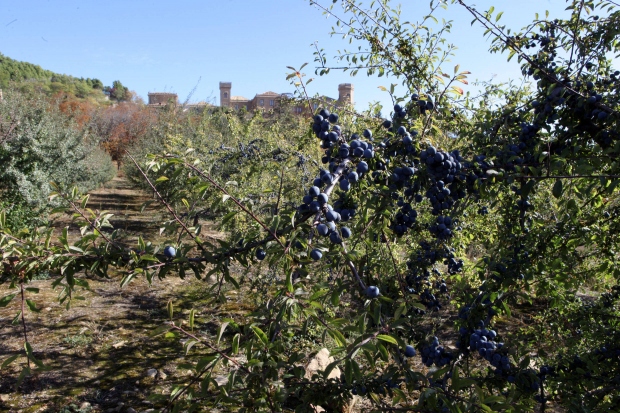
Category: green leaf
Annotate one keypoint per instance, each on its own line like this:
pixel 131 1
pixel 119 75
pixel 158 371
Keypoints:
pixel 9 361
pixel 335 298
pixel 557 188
pixel 348 371
pixel 388 339
pixel 192 316
pixel 506 309
pixel 235 343
pixel 33 306
pixel 15 320
pixel 384 353
pixel 229 216
pixel 338 338
pixel 329 369
pixel 159 330
pixel 4 301
pixel 25 372
pixel 261 335
pixel 127 279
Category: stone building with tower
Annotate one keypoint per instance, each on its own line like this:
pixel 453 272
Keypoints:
pixel 162 99
pixel 263 101
pixel 269 100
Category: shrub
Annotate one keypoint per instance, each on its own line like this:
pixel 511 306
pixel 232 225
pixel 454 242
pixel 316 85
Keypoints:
pixel 40 145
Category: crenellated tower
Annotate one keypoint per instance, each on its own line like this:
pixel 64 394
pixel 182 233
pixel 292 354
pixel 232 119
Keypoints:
pixel 225 88
pixel 345 93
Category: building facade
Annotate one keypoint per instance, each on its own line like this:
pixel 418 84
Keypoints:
pixel 162 99
pixel 269 100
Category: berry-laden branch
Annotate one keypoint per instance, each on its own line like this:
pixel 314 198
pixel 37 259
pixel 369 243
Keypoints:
pixel 500 34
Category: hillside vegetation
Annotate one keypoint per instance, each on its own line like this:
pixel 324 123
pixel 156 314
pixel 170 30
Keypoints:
pixel 31 78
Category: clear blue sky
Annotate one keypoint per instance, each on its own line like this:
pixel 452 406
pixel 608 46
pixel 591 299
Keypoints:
pixel 169 45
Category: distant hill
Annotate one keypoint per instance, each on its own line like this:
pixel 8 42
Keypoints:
pixel 29 77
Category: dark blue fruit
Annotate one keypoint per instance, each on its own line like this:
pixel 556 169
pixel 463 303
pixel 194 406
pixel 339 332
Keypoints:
pixel 346 232
pixel 316 254
pixel 314 191
pixel 170 252
pixel 372 291
pixel 409 351
pixel 335 238
pixel 260 254
pixel 322 229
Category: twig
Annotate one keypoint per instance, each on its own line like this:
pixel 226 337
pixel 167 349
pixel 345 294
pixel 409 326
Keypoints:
pixel 109 241
pixel 168 207
pixel 24 320
pixel 221 353
pixel 235 200
pixel 279 191
pixel 398 274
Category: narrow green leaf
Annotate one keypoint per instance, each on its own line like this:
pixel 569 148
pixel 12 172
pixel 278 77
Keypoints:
pixel 9 361
pixel 32 306
pixel 388 339
pixel 557 188
pixel 192 316
pixel 261 335
pixel 235 343
pixel 4 301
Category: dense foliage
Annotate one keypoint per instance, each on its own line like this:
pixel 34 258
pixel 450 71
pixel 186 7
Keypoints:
pixel 416 248
pixel 40 145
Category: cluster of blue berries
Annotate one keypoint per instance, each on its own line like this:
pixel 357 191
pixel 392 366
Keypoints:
pixel 442 228
pixel 445 169
pixel 425 256
pixel 405 218
pixel 424 105
pixel 482 340
pixel 435 354
pixel 399 112
pixel 454 266
pixel 421 284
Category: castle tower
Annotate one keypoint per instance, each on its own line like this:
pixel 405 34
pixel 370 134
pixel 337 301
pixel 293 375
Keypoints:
pixel 225 93
pixel 345 93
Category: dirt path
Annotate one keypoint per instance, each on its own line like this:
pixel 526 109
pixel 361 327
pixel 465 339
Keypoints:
pixel 99 351
pixel 120 198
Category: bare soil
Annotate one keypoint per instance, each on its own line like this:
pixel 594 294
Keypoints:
pixel 100 350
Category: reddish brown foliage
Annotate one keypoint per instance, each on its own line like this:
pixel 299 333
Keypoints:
pixel 121 125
